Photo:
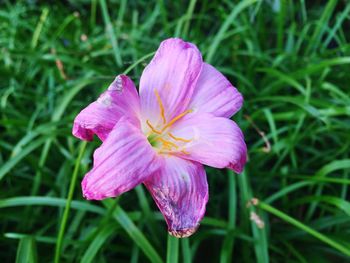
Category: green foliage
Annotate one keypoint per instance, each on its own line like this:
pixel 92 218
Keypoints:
pixel 290 59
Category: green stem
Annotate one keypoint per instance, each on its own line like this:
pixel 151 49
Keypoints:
pixel 186 250
pixel 172 250
pixel 68 204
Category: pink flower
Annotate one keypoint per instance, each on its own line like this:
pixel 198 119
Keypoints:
pixel 163 136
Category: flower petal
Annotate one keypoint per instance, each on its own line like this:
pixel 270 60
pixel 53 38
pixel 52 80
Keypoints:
pixel 180 190
pixel 170 77
pixel 124 160
pixel 215 94
pixel 215 141
pixel 121 99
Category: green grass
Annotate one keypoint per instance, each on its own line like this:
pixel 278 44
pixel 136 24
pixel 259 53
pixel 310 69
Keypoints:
pixel 291 61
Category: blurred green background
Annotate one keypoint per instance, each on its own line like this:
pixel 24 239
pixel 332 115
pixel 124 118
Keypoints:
pixel 290 59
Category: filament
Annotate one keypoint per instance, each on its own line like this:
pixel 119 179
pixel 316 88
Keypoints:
pixel 160 106
pixel 152 128
pixel 178 138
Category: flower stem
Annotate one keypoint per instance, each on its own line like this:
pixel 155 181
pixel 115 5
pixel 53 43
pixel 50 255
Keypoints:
pixel 186 250
pixel 172 250
pixel 68 203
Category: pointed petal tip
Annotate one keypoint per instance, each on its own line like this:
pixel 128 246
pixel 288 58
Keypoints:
pixel 86 194
pixel 178 41
pixel 238 167
pixel 90 195
pixel 239 100
pixel 120 82
pixel 83 134
pixel 183 233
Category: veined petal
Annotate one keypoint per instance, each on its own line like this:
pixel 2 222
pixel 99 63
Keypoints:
pixel 169 80
pixel 121 99
pixel 215 94
pixel 124 160
pixel 214 141
pixel 180 190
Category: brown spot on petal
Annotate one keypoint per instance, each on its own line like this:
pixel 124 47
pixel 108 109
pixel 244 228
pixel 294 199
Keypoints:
pixel 181 233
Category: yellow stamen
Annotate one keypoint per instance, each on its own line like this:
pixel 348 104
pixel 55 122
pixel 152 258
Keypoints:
pixel 152 128
pixel 166 147
pixel 164 152
pixel 178 138
pixel 175 119
pixel 168 143
pixel 184 152
pixel 160 106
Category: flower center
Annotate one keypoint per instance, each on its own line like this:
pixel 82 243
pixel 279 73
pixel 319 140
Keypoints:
pixel 162 139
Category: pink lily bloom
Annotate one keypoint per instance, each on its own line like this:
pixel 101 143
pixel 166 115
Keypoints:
pixel 162 137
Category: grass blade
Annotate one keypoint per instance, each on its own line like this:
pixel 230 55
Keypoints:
pixel 172 250
pixel 186 250
pixel 134 233
pixel 49 201
pixel 39 27
pixel 26 252
pixel 342 248
pixel 98 241
pixel 110 33
pixel 232 16
pixel 68 203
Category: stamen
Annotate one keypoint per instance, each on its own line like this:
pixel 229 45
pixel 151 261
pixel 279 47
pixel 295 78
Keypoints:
pixel 152 128
pixel 184 152
pixel 175 119
pixel 168 143
pixel 160 106
pixel 165 152
pixel 178 138
pixel 166 147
